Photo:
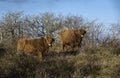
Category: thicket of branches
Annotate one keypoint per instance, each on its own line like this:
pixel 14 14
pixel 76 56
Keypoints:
pixel 14 25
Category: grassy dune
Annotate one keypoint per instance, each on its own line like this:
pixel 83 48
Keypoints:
pixel 87 62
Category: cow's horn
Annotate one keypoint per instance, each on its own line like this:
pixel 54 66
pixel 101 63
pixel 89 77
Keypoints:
pixel 55 37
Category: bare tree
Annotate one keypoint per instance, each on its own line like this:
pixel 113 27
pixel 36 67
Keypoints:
pixel 32 27
pixel 10 25
pixel 51 23
pixel 15 25
pixel 95 33
pixel 115 30
pixel 73 22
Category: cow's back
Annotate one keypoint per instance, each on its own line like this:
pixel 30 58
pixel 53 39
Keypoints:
pixel 66 36
pixel 29 47
pixel 40 44
pixel 21 45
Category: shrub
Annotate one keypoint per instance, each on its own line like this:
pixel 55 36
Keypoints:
pixel 13 66
pixel 116 50
pixel 55 68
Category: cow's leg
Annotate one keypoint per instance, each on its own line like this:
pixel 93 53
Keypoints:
pixel 71 46
pixel 62 46
pixel 44 53
pixel 67 47
pixel 40 56
pixel 75 47
pixel 19 52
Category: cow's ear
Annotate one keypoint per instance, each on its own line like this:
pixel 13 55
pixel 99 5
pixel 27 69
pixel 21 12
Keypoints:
pixel 87 29
pixel 55 37
pixel 46 37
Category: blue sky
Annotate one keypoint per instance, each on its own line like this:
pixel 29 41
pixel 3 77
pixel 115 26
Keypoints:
pixel 106 11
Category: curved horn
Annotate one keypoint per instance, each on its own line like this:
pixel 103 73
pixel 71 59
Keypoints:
pixel 87 29
pixel 55 37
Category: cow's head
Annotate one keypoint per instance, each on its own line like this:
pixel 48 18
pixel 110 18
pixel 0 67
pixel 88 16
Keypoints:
pixel 49 40
pixel 81 32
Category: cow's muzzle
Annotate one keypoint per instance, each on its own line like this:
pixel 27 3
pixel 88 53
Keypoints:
pixel 50 45
pixel 82 35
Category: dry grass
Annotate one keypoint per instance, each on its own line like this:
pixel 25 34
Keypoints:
pixel 89 62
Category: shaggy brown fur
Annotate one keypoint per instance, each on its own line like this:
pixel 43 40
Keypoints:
pixel 71 38
pixel 34 46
